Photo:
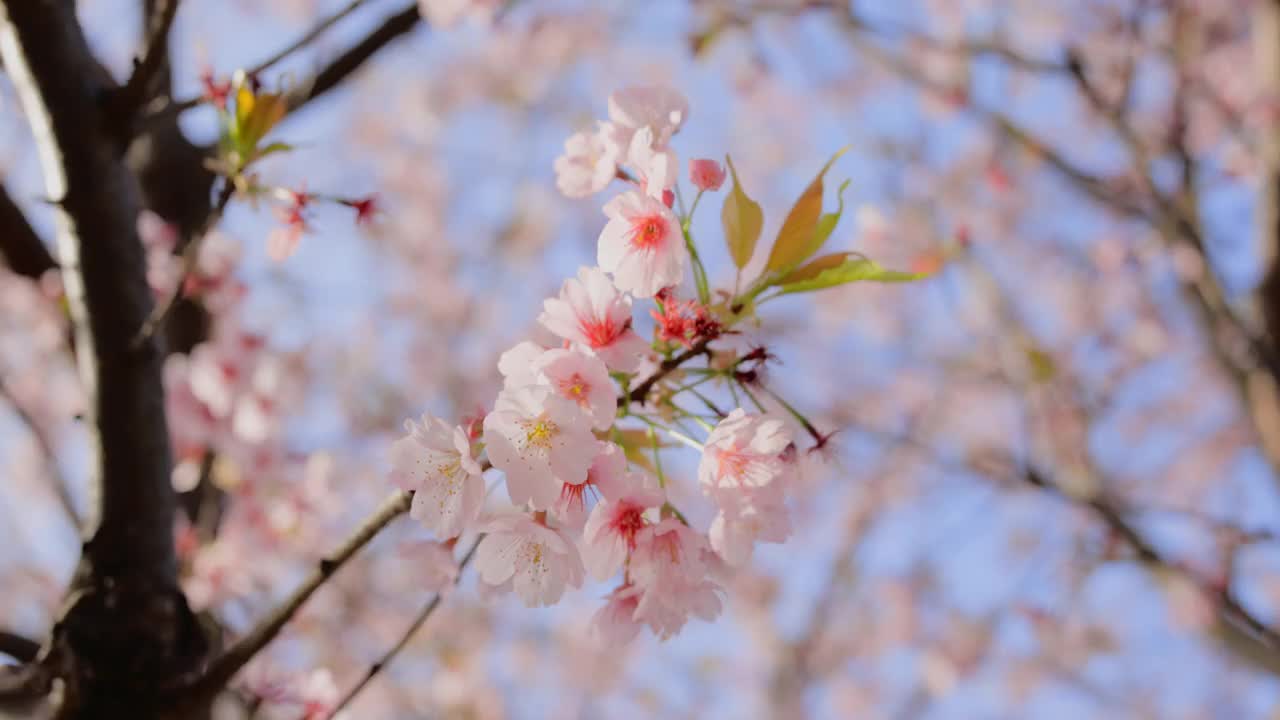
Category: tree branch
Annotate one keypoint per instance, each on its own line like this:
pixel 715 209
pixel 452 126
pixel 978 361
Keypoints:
pixel 60 486
pixel 335 71
pixel 22 688
pixel 1229 610
pixel 1249 358
pixel 150 67
pixel 423 615
pixel 641 391
pixel 1266 31
pixel 307 38
pixel 19 647
pixel 338 69
pixel 225 667
pixel 20 246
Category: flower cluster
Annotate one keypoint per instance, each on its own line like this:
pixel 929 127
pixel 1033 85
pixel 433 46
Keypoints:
pixel 562 430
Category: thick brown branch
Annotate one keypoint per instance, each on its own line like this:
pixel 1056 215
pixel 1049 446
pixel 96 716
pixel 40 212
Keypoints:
pixel 148 70
pixel 22 249
pixel 1267 51
pixel 105 280
pixel 19 647
pixel 224 668
pixel 22 688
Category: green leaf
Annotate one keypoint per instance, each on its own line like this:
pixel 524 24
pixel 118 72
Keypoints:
pixel 742 219
pixel 1043 368
pixel 273 148
pixel 267 110
pixel 812 269
pixel 832 270
pixel 827 223
pixel 799 237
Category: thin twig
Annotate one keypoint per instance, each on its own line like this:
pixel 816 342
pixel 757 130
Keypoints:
pixel 225 667
pixel 418 621
pixel 60 487
pixel 344 65
pixel 641 391
pixel 154 56
pixel 333 73
pixel 306 39
pixel 190 256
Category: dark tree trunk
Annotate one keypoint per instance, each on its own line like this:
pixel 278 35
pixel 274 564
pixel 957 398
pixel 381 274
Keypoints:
pixel 126 637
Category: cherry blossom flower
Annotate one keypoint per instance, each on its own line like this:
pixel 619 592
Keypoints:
pixel 614 526
pixel 743 452
pixel 641 246
pixel 434 563
pixel 283 241
pixel 668 564
pixel 706 174
pixel 367 208
pixel 159 239
pixel 606 477
pixel 540 441
pixel 591 312
pixel 435 462
pixel 588 165
pixel 656 168
pixel 517 364
pixel 661 109
pixel 614 624
pixel 314 694
pixel 684 322
pixel 733 533
pixel 579 376
pixel 539 562
pixel 214 91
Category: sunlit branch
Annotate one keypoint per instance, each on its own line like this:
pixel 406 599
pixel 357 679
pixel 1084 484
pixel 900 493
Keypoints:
pixel 225 667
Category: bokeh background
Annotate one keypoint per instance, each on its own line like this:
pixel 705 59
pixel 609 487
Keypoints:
pixel 1052 487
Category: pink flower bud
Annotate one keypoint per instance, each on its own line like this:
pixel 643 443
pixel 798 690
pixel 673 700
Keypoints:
pixel 706 174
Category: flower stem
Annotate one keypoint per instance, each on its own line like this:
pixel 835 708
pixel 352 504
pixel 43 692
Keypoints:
pixel 800 418
pixel 657 458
